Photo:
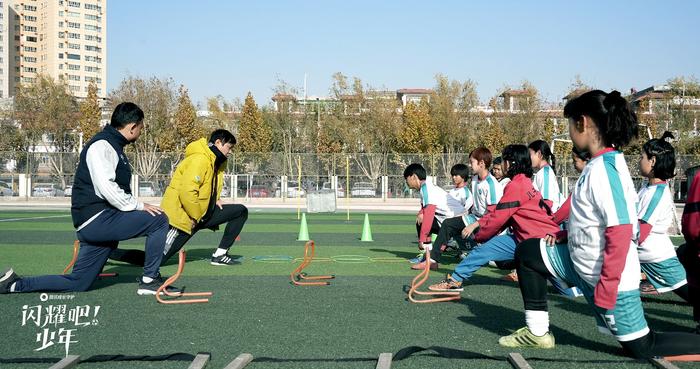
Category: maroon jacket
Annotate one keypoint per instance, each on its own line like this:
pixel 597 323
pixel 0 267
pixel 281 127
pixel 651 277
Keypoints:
pixel 691 215
pixel 520 208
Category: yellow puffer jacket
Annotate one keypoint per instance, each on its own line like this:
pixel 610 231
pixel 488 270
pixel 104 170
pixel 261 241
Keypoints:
pixel 188 193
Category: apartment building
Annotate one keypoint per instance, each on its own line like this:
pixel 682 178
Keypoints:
pixel 60 38
pixel 4 48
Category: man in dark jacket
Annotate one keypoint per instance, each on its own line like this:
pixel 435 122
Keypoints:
pixel 105 212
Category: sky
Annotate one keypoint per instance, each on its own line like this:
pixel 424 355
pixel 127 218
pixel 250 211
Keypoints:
pixel 230 48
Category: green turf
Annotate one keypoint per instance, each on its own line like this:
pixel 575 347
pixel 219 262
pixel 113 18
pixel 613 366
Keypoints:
pixel 254 308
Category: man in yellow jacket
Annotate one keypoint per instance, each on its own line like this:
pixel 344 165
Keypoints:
pixel 192 202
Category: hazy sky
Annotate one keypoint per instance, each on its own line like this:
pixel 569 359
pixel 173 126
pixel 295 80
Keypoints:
pixel 232 47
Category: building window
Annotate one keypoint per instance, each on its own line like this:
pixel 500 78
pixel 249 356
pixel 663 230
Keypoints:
pixel 74 4
pixel 31 38
pixel 61 35
pixel 73 67
pixel 93 38
pixel 60 66
pixel 60 45
pixel 93 7
pixel 74 46
pixel 29 69
pixel 30 49
pixel 30 8
pixel 95 59
pixel 71 14
pixel 93 17
pixel 73 56
pixel 75 36
pixel 73 25
pixel 60 55
pixel 30 18
pixel 73 77
pixel 27 79
pixel 29 29
pixel 93 48
pixel 30 59
pixel 74 88
pixel 90 27
pixel 92 69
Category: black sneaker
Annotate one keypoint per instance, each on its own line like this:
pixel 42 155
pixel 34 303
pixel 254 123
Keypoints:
pixel 152 287
pixel 7 278
pixel 224 259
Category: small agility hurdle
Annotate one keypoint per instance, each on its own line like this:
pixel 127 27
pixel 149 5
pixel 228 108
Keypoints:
pixel 420 279
pixel 162 290
pixel 299 278
pixel 76 248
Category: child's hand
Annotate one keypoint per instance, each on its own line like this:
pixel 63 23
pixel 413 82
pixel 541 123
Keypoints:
pixel 468 230
pixel 549 240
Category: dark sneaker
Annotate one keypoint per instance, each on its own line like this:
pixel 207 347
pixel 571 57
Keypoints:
pixel 224 259
pixel 152 287
pixel 7 278
pixel 447 285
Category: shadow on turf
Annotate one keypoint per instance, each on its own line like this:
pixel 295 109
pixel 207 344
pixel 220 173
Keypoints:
pixel 503 321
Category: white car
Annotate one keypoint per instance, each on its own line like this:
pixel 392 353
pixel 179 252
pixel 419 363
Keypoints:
pixel 5 190
pixel 339 191
pixel 147 189
pixel 69 191
pixel 46 190
pixel 363 189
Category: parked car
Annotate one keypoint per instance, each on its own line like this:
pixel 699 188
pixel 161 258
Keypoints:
pixel 339 191
pixel 5 190
pixel 148 189
pixel 258 191
pixel 293 189
pixel 363 189
pixel 47 190
pixel 68 191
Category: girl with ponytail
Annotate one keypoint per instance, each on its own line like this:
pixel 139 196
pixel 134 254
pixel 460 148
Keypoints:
pixel 545 179
pixel 657 254
pixel 600 257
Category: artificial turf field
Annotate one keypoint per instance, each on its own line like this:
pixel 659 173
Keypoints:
pixel 255 309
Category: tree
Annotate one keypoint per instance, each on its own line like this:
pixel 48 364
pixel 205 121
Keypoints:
pixel 452 106
pixel 684 113
pixel 219 113
pixel 187 127
pixel 525 124
pixel 419 134
pixel 156 97
pixel 254 134
pixel 47 111
pixel 90 114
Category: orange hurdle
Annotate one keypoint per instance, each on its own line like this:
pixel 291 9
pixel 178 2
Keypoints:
pixel 76 247
pixel 420 279
pixel 171 280
pixel 297 275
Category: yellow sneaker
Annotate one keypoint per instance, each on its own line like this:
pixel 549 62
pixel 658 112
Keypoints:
pixel 524 338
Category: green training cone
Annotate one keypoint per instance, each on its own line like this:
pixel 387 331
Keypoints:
pixel 303 229
pixel 366 230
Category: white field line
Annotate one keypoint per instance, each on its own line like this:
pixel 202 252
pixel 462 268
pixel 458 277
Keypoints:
pixel 33 218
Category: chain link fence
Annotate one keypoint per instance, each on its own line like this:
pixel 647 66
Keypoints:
pixel 277 175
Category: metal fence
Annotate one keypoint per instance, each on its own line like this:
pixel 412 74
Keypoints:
pixel 270 175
